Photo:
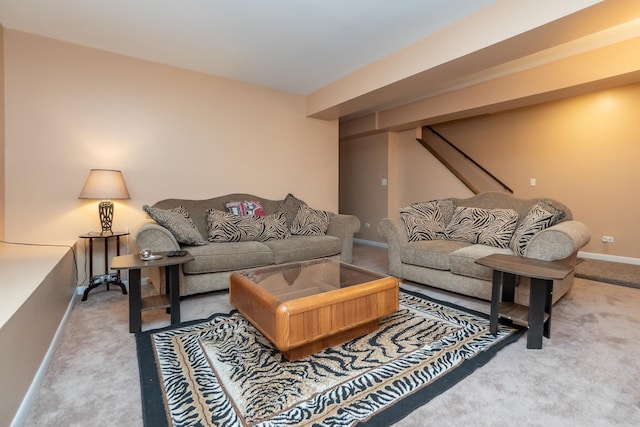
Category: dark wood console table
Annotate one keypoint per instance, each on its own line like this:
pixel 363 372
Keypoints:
pixel 104 279
pixel 137 304
pixel 542 274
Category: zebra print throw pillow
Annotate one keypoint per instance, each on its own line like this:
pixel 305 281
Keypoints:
pixel 542 215
pixel 492 227
pixel 427 220
pixel 310 222
pixel 178 222
pixel 225 227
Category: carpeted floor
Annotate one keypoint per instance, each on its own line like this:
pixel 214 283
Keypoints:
pixel 587 373
pixel 616 273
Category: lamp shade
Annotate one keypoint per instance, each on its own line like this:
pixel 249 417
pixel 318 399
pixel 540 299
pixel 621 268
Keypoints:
pixel 104 184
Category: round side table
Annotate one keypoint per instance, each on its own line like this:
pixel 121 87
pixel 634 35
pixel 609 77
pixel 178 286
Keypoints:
pixel 106 278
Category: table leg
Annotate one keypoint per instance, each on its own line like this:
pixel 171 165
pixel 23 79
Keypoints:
pixel 495 302
pixel 106 258
pixel 135 301
pixel 90 258
pixel 547 307
pixel 537 302
pixel 173 287
pixel 508 287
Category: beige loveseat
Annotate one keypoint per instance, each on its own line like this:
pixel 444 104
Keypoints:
pixel 215 261
pixel 447 260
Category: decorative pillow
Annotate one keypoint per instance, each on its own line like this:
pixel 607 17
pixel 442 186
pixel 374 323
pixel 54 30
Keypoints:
pixel 178 222
pixel 245 208
pixel 542 215
pixel 310 222
pixel 225 227
pixel 492 227
pixel 289 207
pixel 426 220
pixel 273 227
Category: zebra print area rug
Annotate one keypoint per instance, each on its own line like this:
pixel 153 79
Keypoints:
pixel 223 372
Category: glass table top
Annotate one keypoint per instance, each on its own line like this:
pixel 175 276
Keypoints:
pixel 301 279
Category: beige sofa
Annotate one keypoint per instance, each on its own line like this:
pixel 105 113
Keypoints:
pixel 450 264
pixel 215 261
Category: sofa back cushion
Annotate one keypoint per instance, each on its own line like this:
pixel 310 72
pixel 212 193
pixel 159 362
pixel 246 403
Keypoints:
pixel 427 220
pixel 492 227
pixel 226 227
pixel 499 200
pixel 197 208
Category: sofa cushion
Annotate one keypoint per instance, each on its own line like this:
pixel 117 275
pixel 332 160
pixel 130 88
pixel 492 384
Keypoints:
pixel 245 208
pixel 493 227
pixel 289 207
pixel 430 253
pixel 462 261
pixel 310 222
pixel 300 248
pixel 542 215
pixel 178 222
pixel 225 227
pixel 427 220
pixel 228 256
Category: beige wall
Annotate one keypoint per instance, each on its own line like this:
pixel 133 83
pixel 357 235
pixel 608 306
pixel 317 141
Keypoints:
pixel 412 175
pixel 582 151
pixel 363 166
pixel 173 133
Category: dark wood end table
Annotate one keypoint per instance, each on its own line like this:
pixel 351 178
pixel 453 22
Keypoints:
pixel 542 274
pixel 137 304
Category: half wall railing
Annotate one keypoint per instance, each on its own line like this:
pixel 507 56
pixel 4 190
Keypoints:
pixel 468 171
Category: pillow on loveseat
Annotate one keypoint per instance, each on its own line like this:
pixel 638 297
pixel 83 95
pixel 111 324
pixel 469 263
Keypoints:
pixel 492 227
pixel 542 215
pixel 178 222
pixel 310 222
pixel 427 220
pixel 225 227
pixel 246 207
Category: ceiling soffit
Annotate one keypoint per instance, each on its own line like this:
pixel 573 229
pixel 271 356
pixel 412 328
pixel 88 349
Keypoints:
pixel 590 29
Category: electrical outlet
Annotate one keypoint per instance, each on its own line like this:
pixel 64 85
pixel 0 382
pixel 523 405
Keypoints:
pixel 367 225
pixel 607 239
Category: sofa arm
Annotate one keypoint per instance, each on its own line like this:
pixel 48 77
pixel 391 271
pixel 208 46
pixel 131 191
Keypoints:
pixel 150 235
pixel 344 227
pixel 394 231
pixel 559 241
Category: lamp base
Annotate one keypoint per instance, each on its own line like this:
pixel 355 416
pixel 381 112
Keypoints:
pixel 105 210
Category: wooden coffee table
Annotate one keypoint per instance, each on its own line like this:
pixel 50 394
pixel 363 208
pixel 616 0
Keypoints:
pixel 305 307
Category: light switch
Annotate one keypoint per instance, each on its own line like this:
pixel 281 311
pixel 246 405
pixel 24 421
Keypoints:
pixel 533 182
pixel 383 181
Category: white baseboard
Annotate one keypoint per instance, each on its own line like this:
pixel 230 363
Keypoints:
pixel 612 258
pixel 370 243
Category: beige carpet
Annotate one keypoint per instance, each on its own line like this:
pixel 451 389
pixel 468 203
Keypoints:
pixel 587 374
pixel 609 272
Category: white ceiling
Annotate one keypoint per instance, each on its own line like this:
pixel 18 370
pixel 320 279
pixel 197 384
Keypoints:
pixel 294 45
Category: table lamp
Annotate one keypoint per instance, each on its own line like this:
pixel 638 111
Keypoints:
pixel 105 184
